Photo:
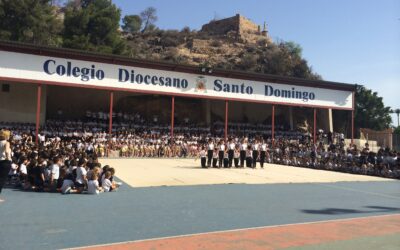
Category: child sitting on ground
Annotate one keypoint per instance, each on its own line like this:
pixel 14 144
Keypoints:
pixel 68 184
pixel 93 184
pixel 107 185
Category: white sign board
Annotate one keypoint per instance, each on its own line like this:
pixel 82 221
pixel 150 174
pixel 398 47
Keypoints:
pixel 51 69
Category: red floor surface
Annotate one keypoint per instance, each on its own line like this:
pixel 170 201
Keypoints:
pixel 275 237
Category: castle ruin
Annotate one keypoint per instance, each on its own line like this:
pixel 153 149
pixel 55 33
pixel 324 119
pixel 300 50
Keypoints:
pixel 238 26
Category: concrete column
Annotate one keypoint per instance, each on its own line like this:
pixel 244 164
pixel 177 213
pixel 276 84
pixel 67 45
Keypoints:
pixel 291 117
pixel 207 110
pixel 330 120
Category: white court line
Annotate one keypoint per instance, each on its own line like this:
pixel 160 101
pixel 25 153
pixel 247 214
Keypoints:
pixel 232 230
pixel 356 190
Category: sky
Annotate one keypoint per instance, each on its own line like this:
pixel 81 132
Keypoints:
pixel 350 41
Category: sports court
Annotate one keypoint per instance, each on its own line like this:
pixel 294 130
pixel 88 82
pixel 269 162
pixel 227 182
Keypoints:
pixel 273 208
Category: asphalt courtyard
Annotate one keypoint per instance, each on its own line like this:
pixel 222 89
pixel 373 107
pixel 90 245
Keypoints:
pixel 273 208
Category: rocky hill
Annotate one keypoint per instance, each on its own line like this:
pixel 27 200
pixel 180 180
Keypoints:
pixel 234 43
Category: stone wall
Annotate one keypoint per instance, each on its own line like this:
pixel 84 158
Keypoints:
pixel 221 27
pixel 238 24
pixel 384 138
pixel 247 26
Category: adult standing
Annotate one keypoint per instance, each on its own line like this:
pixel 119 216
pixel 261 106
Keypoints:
pixel 5 157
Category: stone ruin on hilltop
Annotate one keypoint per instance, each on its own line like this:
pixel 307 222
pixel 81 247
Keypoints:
pixel 237 27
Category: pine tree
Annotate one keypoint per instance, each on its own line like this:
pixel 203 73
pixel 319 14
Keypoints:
pixel 93 26
pixel 31 21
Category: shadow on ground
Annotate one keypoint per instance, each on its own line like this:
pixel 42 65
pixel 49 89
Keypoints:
pixel 335 211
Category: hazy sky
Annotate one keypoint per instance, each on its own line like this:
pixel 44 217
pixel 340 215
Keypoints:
pixel 351 41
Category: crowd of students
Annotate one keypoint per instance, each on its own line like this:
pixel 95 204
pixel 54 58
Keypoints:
pixel 68 150
pixel 56 165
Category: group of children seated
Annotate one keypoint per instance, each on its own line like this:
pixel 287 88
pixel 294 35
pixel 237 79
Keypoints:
pixel 69 176
pixel 58 166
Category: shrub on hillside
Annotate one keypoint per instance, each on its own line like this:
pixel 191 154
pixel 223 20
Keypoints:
pixel 216 43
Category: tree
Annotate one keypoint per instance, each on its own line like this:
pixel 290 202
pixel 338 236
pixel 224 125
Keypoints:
pixel 93 26
pixel 285 59
pixel 294 48
pixel 370 112
pixel 149 18
pixel 131 23
pixel 31 21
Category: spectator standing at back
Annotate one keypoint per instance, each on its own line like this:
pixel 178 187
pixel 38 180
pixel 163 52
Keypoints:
pixel 5 158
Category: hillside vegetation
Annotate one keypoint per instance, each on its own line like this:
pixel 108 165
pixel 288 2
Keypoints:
pixel 216 51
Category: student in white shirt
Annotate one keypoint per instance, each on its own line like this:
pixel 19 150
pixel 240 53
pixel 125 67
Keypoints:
pixel 210 152
pixel 236 155
pixel 93 184
pixel 55 173
pixel 106 183
pixel 23 171
pixel 215 158
pixel 243 148
pixel 203 157
pixel 231 149
pixel 81 173
pixel 13 170
pixel 263 153
pixel 68 185
pixel 221 153
pixel 249 157
pixel 255 153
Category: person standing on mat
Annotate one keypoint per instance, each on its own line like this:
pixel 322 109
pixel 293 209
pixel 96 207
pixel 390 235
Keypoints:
pixel 221 153
pixel 243 148
pixel 203 157
pixel 255 155
pixel 5 157
pixel 263 153
pixel 231 147
pixel 210 152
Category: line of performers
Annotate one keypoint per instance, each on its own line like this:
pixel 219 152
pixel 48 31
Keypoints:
pixel 230 154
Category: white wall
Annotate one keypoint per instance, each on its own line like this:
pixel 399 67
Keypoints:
pixel 19 105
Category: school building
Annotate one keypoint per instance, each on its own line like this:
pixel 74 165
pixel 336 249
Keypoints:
pixel 39 83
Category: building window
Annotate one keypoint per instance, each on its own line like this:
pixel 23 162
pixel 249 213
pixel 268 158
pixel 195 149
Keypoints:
pixel 5 87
